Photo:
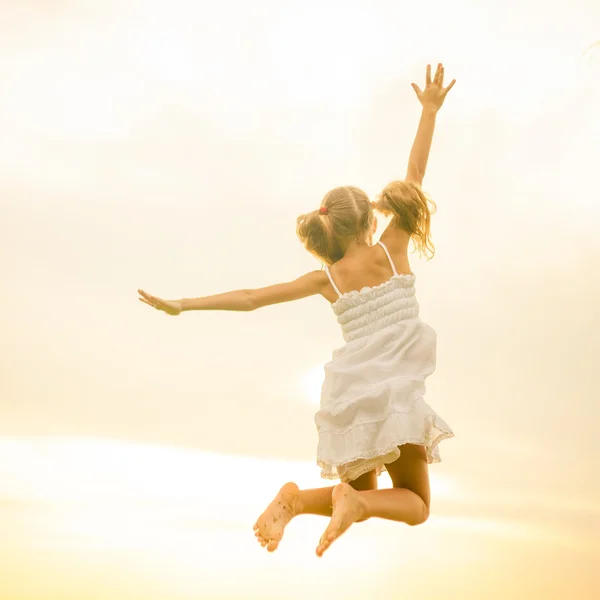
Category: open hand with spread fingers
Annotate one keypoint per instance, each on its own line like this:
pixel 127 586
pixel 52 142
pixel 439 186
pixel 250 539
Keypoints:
pixel 171 307
pixel 434 94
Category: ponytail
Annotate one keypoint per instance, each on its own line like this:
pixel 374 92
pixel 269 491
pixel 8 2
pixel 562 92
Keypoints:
pixel 410 207
pixel 345 214
pixel 313 231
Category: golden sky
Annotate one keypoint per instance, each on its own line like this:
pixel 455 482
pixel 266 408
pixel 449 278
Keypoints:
pixel 171 146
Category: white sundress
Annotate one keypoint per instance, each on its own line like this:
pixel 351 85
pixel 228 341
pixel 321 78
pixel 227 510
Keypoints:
pixel 372 399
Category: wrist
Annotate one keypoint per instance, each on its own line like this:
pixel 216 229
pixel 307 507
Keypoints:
pixel 430 110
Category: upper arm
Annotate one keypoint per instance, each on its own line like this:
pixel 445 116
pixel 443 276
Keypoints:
pixel 396 240
pixel 414 175
pixel 308 285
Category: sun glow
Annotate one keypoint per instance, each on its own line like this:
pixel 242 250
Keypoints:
pixel 311 384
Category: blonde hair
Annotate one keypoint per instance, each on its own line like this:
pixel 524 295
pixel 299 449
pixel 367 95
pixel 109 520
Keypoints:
pixel 412 211
pixel 346 213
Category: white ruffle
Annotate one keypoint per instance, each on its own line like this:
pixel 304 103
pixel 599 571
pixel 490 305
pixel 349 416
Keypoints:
pixel 361 312
pixel 350 454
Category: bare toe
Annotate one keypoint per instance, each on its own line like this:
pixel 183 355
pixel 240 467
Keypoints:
pixel 271 524
pixel 348 507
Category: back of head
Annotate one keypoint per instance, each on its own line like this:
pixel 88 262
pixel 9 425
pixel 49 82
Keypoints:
pixel 346 213
pixel 411 210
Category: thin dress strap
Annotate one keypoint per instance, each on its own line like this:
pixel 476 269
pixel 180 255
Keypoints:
pixel 332 282
pixel 389 257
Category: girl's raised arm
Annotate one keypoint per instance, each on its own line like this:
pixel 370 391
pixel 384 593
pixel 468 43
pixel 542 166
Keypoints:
pixel 244 300
pixel 431 98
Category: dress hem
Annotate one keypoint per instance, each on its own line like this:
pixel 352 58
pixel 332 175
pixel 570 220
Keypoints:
pixel 378 459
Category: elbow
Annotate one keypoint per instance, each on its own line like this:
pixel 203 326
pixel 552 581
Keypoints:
pixel 251 302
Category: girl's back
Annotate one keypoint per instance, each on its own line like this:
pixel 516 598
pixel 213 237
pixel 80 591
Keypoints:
pixel 368 265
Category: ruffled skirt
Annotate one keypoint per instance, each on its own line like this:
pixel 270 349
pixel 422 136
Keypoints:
pixel 372 402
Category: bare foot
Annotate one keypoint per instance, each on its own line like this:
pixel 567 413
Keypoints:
pixel 348 507
pixel 270 525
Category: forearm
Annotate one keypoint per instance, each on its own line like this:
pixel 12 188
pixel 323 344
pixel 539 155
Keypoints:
pixel 245 300
pixel 419 154
pixel 239 300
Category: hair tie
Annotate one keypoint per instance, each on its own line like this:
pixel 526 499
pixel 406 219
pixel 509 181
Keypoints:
pixel 323 210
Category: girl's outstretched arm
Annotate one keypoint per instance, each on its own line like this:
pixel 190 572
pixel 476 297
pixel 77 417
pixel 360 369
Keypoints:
pixel 431 98
pixel 244 300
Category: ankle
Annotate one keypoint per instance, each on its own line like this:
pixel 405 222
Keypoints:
pixel 297 505
pixel 364 509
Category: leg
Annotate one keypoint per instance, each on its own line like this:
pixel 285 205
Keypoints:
pixel 406 502
pixel 411 472
pixel 291 502
pixel 318 501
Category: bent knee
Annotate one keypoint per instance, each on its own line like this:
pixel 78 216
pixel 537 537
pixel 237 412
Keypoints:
pixel 421 516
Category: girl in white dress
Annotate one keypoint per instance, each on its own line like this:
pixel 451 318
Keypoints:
pixel 373 414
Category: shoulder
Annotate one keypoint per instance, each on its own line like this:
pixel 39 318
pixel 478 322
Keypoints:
pixel 396 242
pixel 310 284
pixel 315 280
pixel 395 238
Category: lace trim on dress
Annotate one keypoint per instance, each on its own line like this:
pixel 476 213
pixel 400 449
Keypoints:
pixel 378 458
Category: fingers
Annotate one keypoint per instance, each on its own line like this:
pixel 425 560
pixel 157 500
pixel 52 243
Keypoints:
pixel 417 89
pixel 150 300
pixel 438 78
pixel 449 86
pixel 156 305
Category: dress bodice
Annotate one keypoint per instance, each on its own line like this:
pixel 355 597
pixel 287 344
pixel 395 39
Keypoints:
pixel 363 312
pixel 371 309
